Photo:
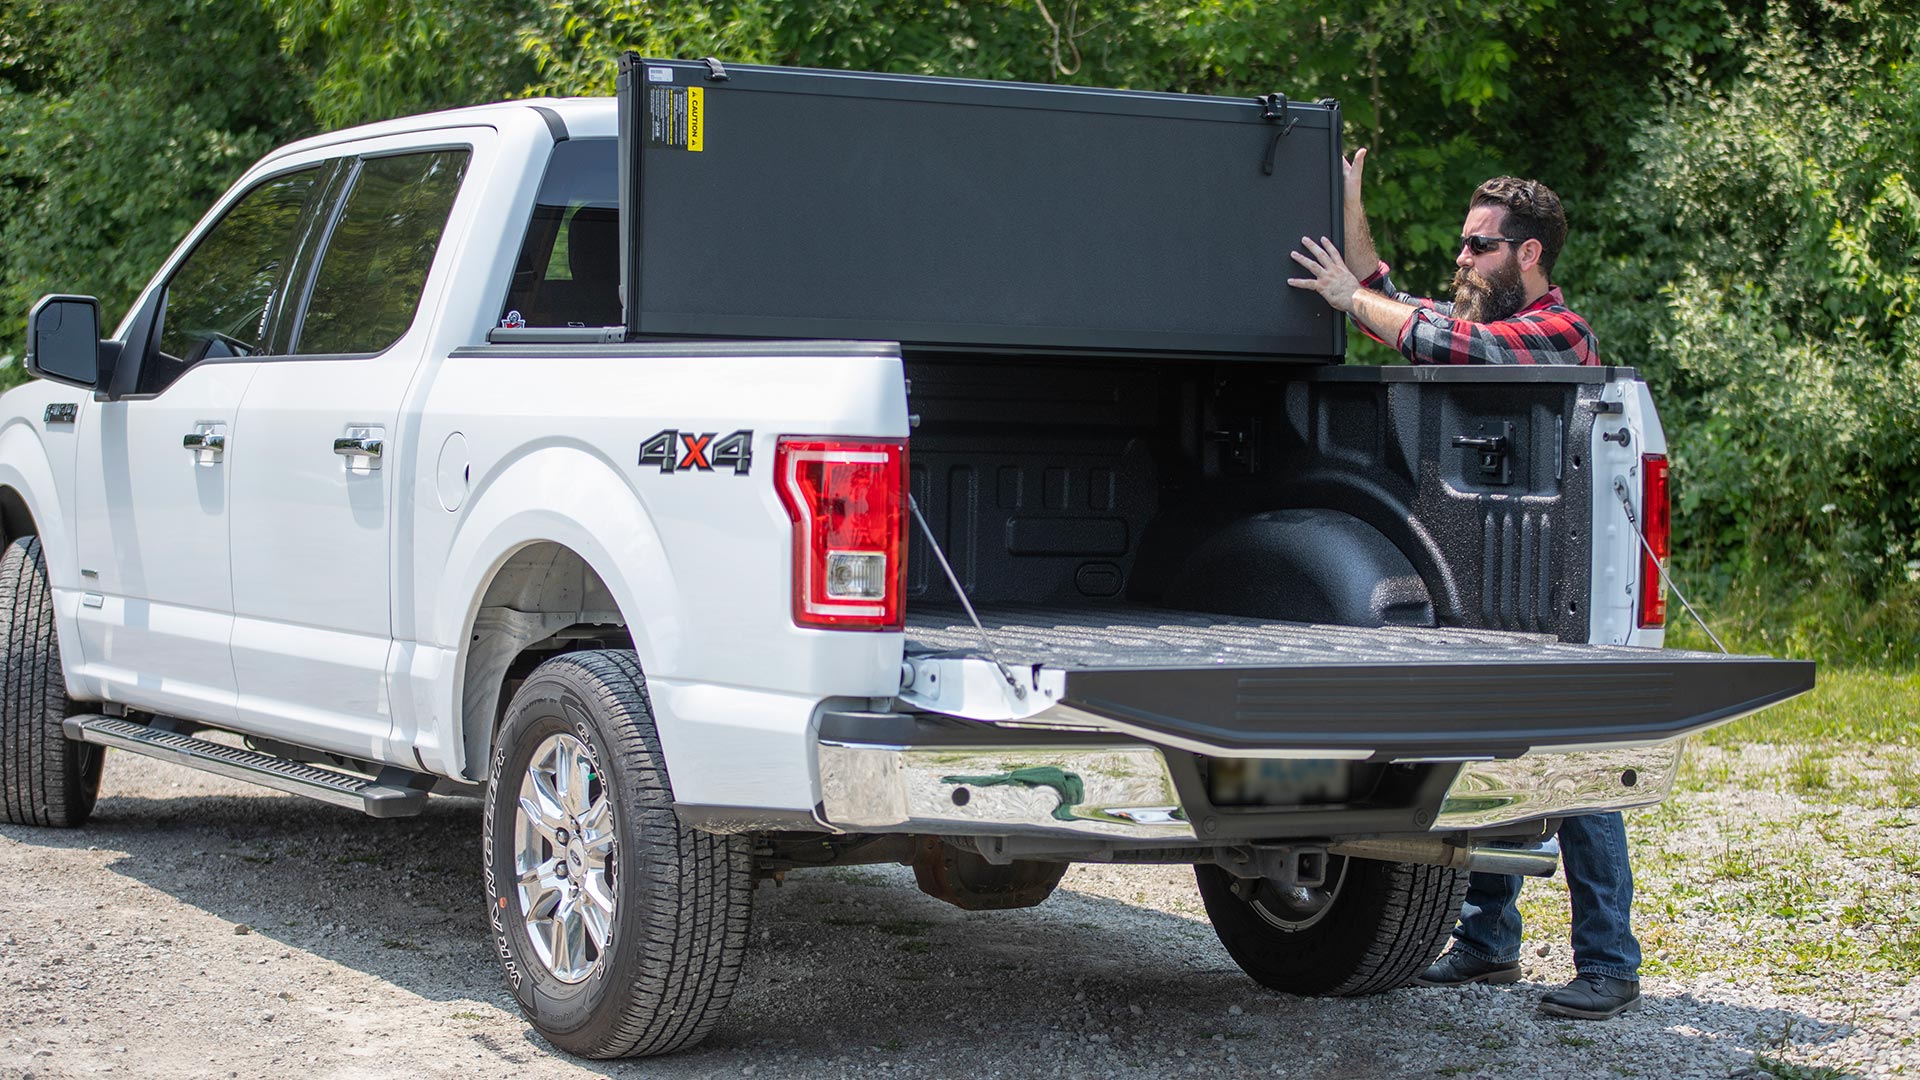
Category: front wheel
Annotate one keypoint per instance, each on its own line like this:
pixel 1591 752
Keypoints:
pixel 1372 927
pixel 621 932
pixel 45 778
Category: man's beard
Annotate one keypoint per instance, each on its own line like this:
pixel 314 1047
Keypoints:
pixel 1489 298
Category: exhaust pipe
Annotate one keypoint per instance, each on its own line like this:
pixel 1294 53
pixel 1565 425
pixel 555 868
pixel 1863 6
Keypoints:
pixel 1536 859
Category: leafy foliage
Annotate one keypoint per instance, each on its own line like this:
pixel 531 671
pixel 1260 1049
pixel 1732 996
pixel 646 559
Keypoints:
pixel 1740 177
pixel 377 59
pixel 108 155
pixel 1767 279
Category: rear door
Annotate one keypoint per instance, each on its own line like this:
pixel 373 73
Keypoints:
pixel 313 498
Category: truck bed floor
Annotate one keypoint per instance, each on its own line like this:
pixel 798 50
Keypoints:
pixel 1129 636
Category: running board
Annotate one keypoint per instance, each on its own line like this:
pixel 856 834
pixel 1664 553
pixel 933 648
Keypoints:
pixel 395 793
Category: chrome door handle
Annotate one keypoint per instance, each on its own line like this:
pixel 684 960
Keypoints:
pixel 205 440
pixel 357 447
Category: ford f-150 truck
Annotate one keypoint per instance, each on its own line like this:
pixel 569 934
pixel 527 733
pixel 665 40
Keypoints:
pixel 420 468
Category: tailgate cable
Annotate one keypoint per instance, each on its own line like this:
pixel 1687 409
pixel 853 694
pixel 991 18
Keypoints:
pixel 985 638
pixel 1626 503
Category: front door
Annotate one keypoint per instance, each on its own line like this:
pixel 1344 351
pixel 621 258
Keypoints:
pixel 153 470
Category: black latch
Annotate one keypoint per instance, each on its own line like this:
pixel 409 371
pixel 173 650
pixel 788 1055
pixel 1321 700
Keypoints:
pixel 715 72
pixel 1239 447
pixel 1495 453
pixel 1273 108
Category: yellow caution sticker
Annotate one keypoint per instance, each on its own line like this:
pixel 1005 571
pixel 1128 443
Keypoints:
pixel 676 117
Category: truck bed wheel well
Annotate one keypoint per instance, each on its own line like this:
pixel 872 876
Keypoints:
pixel 543 601
pixel 1315 565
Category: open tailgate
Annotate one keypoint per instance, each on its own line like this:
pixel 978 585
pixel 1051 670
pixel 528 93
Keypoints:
pixel 1239 687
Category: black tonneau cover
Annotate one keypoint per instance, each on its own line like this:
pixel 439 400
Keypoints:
pixel 1394 692
pixel 971 216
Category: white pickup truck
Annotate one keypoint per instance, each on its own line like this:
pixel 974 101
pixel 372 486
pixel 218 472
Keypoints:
pixel 372 496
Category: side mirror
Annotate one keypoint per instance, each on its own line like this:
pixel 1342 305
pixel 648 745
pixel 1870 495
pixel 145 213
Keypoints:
pixel 63 340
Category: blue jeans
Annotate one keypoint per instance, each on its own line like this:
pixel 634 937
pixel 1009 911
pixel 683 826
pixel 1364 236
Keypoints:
pixel 1593 849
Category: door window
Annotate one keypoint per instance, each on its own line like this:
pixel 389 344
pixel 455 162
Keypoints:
pixel 368 286
pixel 221 300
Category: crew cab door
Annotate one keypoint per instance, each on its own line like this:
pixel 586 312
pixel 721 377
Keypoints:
pixel 153 468
pixel 314 497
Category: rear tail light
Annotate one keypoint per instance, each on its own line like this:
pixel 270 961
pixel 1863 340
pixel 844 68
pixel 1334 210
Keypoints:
pixel 1657 526
pixel 848 501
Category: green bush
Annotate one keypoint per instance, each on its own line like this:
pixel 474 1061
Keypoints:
pixel 1773 231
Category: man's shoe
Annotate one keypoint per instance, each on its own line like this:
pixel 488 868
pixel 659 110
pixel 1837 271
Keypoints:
pixel 1592 997
pixel 1457 968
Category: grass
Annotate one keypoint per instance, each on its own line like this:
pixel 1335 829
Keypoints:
pixel 1786 1070
pixel 1833 622
pixel 1826 881
pixel 1867 652
pixel 1811 773
pixel 1578 1042
pixel 1847 705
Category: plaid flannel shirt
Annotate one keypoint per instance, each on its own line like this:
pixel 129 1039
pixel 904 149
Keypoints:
pixel 1543 332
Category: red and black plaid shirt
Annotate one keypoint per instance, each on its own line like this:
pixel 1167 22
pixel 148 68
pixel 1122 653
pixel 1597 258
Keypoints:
pixel 1543 332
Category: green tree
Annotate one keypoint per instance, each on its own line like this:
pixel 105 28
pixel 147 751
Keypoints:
pixel 377 59
pixel 120 122
pixel 1766 274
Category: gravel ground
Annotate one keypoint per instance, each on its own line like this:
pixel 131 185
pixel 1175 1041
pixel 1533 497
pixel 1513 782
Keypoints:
pixel 202 927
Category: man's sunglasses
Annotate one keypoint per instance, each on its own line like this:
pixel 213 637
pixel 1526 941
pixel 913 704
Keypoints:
pixel 1480 245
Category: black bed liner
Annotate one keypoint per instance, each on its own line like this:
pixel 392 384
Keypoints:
pixel 1245 684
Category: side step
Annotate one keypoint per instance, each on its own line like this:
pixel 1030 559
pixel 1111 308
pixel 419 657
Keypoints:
pixel 395 793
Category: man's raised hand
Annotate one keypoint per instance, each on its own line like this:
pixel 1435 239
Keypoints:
pixel 1331 278
pixel 1359 246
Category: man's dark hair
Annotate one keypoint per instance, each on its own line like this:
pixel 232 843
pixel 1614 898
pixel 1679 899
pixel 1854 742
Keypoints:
pixel 1533 213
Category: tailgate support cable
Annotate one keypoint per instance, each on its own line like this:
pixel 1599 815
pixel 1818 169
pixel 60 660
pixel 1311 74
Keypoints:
pixel 953 580
pixel 1626 503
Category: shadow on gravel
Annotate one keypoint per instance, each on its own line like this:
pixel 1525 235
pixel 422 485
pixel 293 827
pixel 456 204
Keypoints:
pixel 852 969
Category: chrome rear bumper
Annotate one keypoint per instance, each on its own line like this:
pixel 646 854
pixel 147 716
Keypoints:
pixel 1560 784
pixel 1113 791
pixel 1125 791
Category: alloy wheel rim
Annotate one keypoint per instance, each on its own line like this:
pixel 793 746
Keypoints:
pixel 565 858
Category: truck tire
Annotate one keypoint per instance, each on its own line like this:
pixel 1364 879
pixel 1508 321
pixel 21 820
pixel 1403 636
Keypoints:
pixel 1374 926
pixel 45 778
pixel 621 931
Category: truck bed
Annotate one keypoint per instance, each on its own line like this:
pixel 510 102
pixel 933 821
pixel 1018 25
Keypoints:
pixel 1244 686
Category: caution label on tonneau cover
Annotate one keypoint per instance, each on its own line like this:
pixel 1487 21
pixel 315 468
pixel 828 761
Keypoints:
pixel 677 117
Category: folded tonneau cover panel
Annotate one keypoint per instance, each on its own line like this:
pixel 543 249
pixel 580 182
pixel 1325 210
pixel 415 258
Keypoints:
pixel 1243 686
pixel 972 216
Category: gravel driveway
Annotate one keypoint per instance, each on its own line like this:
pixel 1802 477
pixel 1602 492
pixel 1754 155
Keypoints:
pixel 203 927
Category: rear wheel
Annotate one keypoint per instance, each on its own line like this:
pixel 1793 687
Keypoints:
pixel 621 932
pixel 45 778
pixel 1372 927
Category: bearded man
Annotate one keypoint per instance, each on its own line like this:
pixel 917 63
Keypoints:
pixel 1505 310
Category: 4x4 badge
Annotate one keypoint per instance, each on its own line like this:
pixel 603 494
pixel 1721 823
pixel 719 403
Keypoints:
pixel 674 450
